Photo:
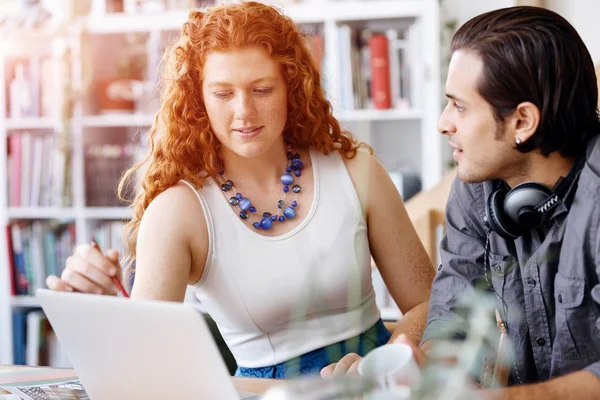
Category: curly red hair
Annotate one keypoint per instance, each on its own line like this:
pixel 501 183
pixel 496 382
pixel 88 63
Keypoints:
pixel 182 144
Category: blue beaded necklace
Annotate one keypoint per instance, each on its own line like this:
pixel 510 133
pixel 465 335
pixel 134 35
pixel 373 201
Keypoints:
pixel 283 213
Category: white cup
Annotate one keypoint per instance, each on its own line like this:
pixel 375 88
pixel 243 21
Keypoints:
pixel 391 364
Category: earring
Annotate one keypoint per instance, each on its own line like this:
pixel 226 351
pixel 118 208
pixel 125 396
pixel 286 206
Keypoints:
pixel 518 141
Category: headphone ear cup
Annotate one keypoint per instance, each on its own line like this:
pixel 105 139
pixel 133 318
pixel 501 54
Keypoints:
pixel 497 219
pixel 520 204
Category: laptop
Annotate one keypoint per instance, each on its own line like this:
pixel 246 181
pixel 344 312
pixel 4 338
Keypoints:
pixel 132 349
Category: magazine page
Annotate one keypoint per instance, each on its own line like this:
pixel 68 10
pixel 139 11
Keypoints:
pixel 61 389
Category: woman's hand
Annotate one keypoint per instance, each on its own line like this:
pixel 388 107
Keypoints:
pixel 347 365
pixel 419 353
pixel 88 271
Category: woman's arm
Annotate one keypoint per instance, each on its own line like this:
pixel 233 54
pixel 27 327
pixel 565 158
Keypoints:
pixel 172 246
pixel 398 253
pixel 171 251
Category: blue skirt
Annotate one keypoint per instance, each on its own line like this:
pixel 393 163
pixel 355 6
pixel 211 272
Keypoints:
pixel 311 363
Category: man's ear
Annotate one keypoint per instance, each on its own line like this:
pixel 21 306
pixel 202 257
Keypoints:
pixel 524 121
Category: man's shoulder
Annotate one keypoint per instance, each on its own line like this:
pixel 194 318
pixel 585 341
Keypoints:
pixel 466 202
pixel 472 195
pixel 590 173
pixel 593 156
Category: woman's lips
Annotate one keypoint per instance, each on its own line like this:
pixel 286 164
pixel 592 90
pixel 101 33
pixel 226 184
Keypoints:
pixel 248 133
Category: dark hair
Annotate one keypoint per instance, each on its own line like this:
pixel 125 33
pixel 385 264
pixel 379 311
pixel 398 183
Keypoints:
pixel 533 54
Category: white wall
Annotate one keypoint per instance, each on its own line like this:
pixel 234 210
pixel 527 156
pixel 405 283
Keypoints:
pixel 584 16
pixel 463 10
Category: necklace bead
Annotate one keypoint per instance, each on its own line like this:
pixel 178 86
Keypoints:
pixel 297 164
pixel 244 204
pixel 287 179
pixel 294 167
pixel 289 212
pixel 266 223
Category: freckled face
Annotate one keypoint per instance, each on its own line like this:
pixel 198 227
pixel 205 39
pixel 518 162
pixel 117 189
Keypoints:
pixel 245 96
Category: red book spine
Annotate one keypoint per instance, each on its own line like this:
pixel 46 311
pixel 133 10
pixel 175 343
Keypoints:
pixel 11 261
pixel 380 71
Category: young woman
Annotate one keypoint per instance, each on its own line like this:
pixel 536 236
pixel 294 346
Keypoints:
pixel 255 197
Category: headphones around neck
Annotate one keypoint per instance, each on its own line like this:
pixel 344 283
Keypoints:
pixel 510 213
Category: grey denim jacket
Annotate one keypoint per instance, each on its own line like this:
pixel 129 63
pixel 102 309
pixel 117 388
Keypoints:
pixel 548 280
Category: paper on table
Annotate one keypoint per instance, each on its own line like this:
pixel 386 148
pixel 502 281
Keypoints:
pixel 70 389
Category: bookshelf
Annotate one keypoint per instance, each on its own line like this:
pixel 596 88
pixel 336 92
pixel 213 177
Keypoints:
pixel 397 133
pixel 29 123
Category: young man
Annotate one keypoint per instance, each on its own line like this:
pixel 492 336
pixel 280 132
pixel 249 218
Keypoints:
pixel 523 216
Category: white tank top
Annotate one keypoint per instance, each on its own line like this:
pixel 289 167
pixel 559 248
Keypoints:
pixel 276 298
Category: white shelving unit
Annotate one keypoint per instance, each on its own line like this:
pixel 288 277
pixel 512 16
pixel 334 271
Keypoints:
pixel 107 213
pixel 41 213
pixel 379 115
pixel 30 123
pixel 110 121
pixel 53 47
pixel 25 301
pixel 6 349
pixel 381 128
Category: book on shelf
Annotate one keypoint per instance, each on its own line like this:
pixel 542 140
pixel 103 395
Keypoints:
pixel 12 274
pixel 29 87
pixel 37 327
pixel 376 67
pixel 36 171
pixel 380 71
pixel 104 166
pixel 36 250
pixel 34 342
pixel 109 235
pixel 41 248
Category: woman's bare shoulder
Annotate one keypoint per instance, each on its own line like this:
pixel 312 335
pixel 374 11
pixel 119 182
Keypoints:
pixel 177 207
pixel 366 172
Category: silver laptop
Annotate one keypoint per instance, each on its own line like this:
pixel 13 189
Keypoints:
pixel 124 349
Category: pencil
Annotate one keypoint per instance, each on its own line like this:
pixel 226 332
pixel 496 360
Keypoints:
pixel 115 280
